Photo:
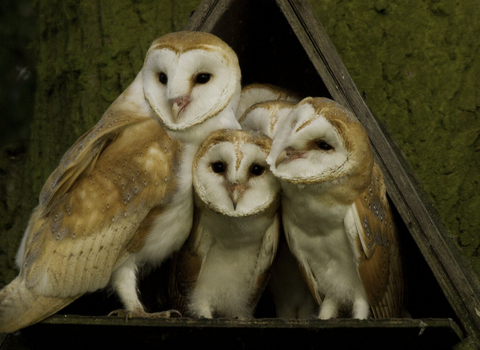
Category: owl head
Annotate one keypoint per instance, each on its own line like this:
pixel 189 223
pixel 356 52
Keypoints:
pixel 256 93
pixel 231 176
pixel 320 141
pixel 189 78
pixel 266 117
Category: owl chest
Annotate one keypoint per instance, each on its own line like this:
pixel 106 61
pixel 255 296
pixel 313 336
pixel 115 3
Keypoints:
pixel 316 214
pixel 172 224
pixel 330 258
pixel 316 236
pixel 226 277
pixel 235 233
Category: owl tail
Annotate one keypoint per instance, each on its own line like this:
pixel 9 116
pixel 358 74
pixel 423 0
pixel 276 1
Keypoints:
pixel 21 307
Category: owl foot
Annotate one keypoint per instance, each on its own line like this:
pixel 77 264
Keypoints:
pixel 131 314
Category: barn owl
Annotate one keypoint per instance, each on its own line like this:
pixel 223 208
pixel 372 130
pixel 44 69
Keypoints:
pixel 335 212
pixel 265 117
pixel 290 294
pixel 122 197
pixel 256 93
pixel 221 271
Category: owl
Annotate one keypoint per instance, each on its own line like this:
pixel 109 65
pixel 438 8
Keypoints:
pixel 290 294
pixel 256 93
pixel 335 212
pixel 222 269
pixel 121 199
pixel 265 117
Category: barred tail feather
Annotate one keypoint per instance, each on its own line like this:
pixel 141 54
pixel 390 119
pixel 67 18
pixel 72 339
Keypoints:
pixel 21 307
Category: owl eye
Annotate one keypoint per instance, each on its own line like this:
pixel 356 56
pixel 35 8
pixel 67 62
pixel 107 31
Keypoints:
pixel 257 170
pixel 163 78
pixel 323 145
pixel 219 167
pixel 203 78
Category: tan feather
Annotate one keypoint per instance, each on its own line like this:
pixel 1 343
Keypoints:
pixel 266 256
pixel 185 268
pixel 21 307
pixel 120 182
pixel 77 236
pixel 380 265
pixel 127 181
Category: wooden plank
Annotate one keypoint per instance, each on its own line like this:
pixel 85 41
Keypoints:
pixel 207 14
pixel 418 324
pixel 114 332
pixel 455 277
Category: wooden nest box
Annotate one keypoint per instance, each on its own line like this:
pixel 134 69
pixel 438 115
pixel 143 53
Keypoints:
pixel 282 42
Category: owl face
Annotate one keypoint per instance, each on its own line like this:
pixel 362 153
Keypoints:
pixel 319 141
pixel 189 77
pixel 265 117
pixel 231 176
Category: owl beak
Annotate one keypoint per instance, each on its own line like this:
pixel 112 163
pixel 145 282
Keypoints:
pixel 287 155
pixel 178 105
pixel 235 196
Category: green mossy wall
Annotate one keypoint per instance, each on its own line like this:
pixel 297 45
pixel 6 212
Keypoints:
pixel 413 60
pixel 417 64
pixel 87 53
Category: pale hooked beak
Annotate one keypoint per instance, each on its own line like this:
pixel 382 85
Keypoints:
pixel 178 105
pixel 287 155
pixel 236 191
pixel 235 196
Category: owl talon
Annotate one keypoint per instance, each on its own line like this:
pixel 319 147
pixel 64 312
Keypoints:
pixel 121 313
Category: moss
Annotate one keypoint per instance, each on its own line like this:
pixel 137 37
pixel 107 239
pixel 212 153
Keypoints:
pixel 88 52
pixel 416 63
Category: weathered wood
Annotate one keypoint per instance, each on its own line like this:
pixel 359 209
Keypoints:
pixel 204 17
pixel 114 332
pixel 456 279
pixel 242 29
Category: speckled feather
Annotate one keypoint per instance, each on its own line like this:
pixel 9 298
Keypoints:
pixel 126 178
pixel 78 234
pixel 380 262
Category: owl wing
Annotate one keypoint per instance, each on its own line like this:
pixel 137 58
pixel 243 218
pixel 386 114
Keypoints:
pixel 265 258
pixel 97 206
pixel 377 248
pixel 187 264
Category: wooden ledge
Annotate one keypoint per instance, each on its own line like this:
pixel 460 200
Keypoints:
pixel 103 332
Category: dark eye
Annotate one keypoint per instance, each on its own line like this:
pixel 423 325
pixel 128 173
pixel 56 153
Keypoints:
pixel 218 167
pixel 203 78
pixel 163 78
pixel 257 169
pixel 324 146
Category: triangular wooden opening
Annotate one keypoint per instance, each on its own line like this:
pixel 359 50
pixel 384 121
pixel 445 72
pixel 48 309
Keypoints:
pixel 282 42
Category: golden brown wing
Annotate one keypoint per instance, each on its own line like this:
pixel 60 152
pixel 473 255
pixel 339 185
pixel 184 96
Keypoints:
pixel 380 262
pixel 94 203
pixel 186 266
pixel 265 258
pixel 305 269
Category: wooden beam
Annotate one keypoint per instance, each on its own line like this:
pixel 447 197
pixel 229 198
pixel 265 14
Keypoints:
pixel 457 280
pixel 81 332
